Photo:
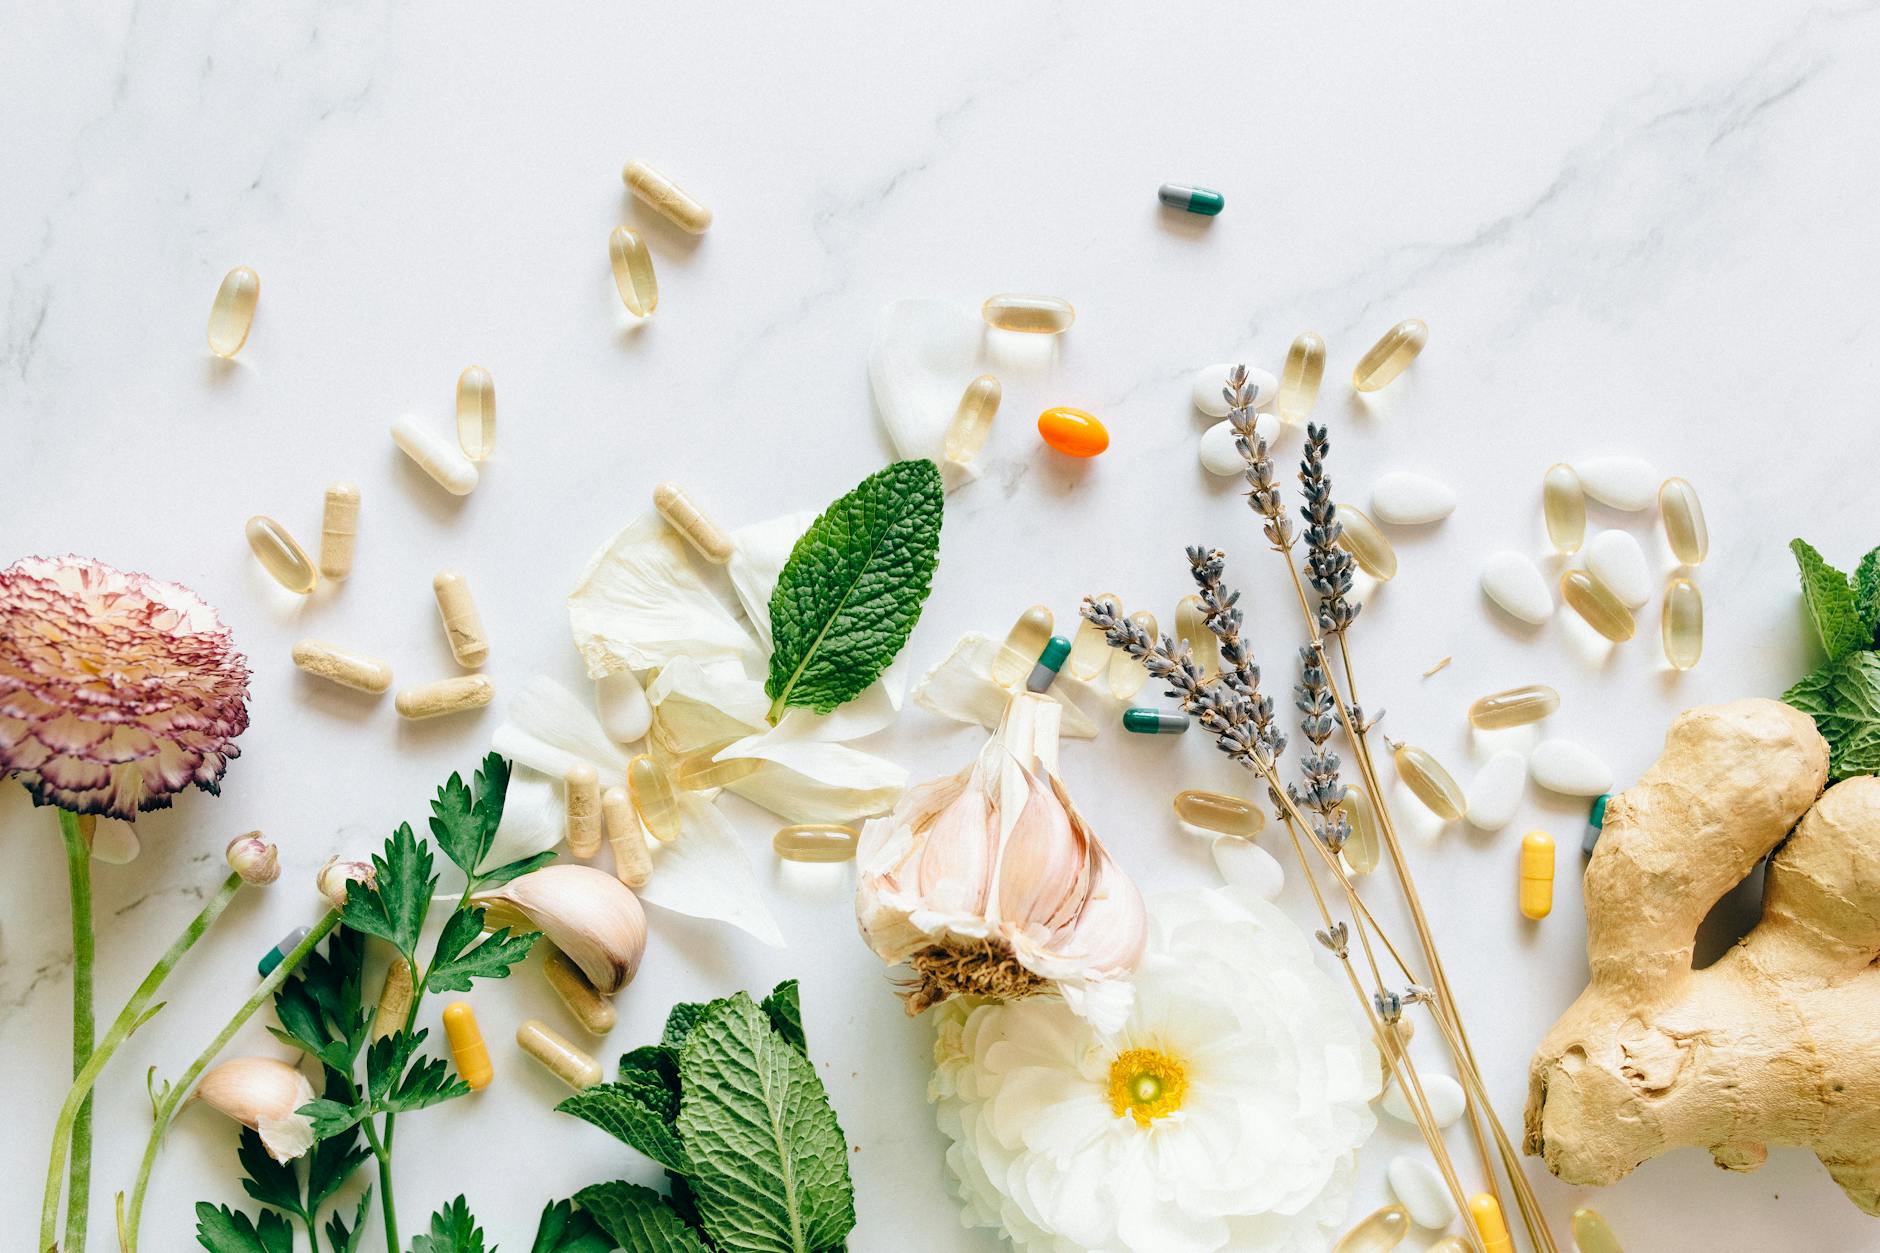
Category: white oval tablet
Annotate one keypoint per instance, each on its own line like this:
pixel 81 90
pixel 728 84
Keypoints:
pixel 435 455
pixel 1616 560
pixel 1404 499
pixel 621 702
pixel 1246 865
pixel 1568 768
pixel 1516 584
pixel 1495 792
pixel 1211 385
pixel 1443 1094
pixel 1422 1191
pixel 1221 455
pixel 1628 483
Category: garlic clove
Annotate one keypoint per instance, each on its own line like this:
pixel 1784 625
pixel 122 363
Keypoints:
pixel 262 1094
pixel 586 913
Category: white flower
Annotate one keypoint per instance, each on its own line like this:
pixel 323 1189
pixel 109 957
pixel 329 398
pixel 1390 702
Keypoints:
pixel 1226 1113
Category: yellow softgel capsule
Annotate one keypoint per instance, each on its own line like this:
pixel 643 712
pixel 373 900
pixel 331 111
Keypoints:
pixel 1600 609
pixel 1389 356
pixel 815 842
pixel 1219 812
pixel 1360 537
pixel 672 202
pixel 1685 528
pixel 394 1000
pixel 1515 707
pixel 446 696
pixel 466 1045
pixel 633 865
pixel 1537 875
pixel 339 530
pixel 1036 315
pixel 1377 1232
pixel 1125 674
pixel 1683 624
pixel 594 1012
pixel 685 517
pixel 1299 378
pixel 1073 432
pixel 1591 1234
pixel 1363 848
pixel 653 798
pixel 633 272
pixel 583 787
pixel 1090 649
pixel 476 413
pixel 463 625
pixel 560 1058
pixel 1489 1224
pixel 1023 643
pixel 1563 504
pixel 281 555
pixel 701 773
pixel 1429 782
pixel 972 420
pixel 232 314
pixel 343 666
pixel 1449 1244
pixel 1191 626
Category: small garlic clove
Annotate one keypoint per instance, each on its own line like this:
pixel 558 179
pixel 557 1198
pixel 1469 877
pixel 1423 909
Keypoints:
pixel 589 914
pixel 262 1094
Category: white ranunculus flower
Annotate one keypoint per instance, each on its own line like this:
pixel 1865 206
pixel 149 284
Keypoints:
pixel 1226 1113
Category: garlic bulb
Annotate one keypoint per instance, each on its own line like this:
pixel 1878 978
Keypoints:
pixel 254 859
pixel 588 914
pixel 336 874
pixel 262 1094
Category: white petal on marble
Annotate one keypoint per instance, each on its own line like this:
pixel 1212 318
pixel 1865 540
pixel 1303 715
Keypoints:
pixel 1402 498
pixel 535 818
pixel 1495 792
pixel 1624 483
pixel 1616 560
pixel 924 355
pixel 643 600
pixel 959 688
pixel 547 728
pixel 759 553
pixel 706 874
pixel 1516 584
pixel 1246 865
pixel 1570 769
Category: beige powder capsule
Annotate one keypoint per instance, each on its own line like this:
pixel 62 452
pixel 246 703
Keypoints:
pixel 672 201
pixel 632 863
pixel 594 1012
pixel 562 1059
pixel 446 696
pixel 343 666
pixel 463 625
pixel 584 809
pixel 687 519
pixel 339 530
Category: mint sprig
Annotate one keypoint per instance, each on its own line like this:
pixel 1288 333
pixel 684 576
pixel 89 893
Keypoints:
pixel 1843 693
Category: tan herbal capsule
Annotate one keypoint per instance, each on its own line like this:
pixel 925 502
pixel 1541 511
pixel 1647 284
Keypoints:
pixel 1684 521
pixel 1216 811
pixel 1429 782
pixel 633 865
pixel 594 1012
pixel 280 555
pixel 1515 707
pixel 1602 611
pixel 1378 1232
pixel 661 193
pixel 972 421
pixel 343 666
pixel 1366 544
pixel 583 787
pixel 1563 503
pixel 1038 315
pixel 815 842
pixel 560 1058
pixel 394 1000
pixel 1191 625
pixel 233 313
pixel 1023 643
pixel 1683 624
pixel 653 798
pixel 1299 378
pixel 699 773
pixel 1388 357
pixel 463 625
pixel 476 413
pixel 686 518
pixel 1363 847
pixel 339 530
pixel 633 272
pixel 1126 674
pixel 1090 650
pixel 446 696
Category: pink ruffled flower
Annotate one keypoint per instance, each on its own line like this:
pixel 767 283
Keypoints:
pixel 116 690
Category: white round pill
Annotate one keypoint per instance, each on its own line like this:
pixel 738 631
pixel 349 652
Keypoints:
pixel 1570 769
pixel 1211 384
pixel 1515 583
pixel 1221 455
pixel 1404 499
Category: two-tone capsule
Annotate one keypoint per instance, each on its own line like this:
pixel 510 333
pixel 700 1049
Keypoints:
pixel 339 530
pixel 1537 875
pixel 1595 823
pixel 467 1049
pixel 560 1058
pixel 232 314
pixel 1429 782
pixel 1360 537
pixel 815 842
pixel 633 272
pixel 594 1012
pixel 972 419
pixel 1050 661
pixel 1023 643
pixel 281 555
pixel 685 517
pixel 435 455
pixel 1300 377
pixel 1218 812
pixel 671 201
pixel 1390 355
pixel 1035 315
pixel 476 413
pixel 343 666
pixel 1597 606
pixel 446 696
pixel 1144 720
pixel 653 798
pixel 463 625
pixel 1515 707
pixel 1201 201
pixel 271 960
pixel 633 864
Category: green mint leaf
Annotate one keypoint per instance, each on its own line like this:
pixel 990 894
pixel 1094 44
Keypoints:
pixel 1830 599
pixel 465 825
pixel 223 1230
pixel 1867 596
pixel 565 1229
pixel 853 588
pixel 453 1230
pixel 638 1218
pixel 658 1062
pixel 784 1008
pixel 680 1020
pixel 394 908
pixel 269 1182
pixel 1843 697
pixel 514 870
pixel 770 1166
pixel 638 1111
pixel 452 968
pixel 343 1239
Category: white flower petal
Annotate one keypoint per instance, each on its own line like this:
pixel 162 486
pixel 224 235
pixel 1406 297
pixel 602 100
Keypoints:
pixel 549 728
pixel 817 782
pixel 924 354
pixel 705 874
pixel 642 601
pixel 960 688
pixel 534 819
pixel 760 552
pixel 701 705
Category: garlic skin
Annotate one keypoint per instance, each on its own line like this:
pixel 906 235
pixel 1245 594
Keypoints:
pixel 262 1094
pixel 989 882
pixel 336 874
pixel 254 859
pixel 588 914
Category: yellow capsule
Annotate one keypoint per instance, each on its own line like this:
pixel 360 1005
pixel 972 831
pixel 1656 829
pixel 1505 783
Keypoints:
pixel 1684 521
pixel 1360 537
pixel 343 666
pixel 1378 1232
pixel 1602 611
pixel 1490 1225
pixel 1191 624
pixel 1388 357
pixel 1299 378
pixel 446 696
pixel 653 798
pixel 633 272
pixel 394 1000
pixel 633 865
pixel 233 312
pixel 594 1012
pixel 339 530
pixel 1023 643
pixel 1126 674
pixel 1216 811
pixel 672 201
pixel 463 625
pixel 700 773
pixel 476 412
pixel 686 518
pixel 815 841
pixel 1041 315
pixel 1090 649
pixel 1363 848
pixel 1591 1234
pixel 1515 707
pixel 436 456
pixel 1429 782
pixel 1683 623
pixel 1537 874
pixel 560 1058
pixel 280 555
pixel 583 787
pixel 466 1045
pixel 972 420
pixel 1563 502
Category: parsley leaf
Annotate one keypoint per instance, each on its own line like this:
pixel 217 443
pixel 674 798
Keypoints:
pixel 223 1230
pixel 565 1229
pixel 853 588
pixel 395 1083
pixel 394 907
pixel 319 1008
pixel 1831 607
pixel 333 1160
pixel 453 1230
pixel 342 1239
pixel 452 967
pixel 1843 697
pixel 464 825
pixel 638 1218
pixel 269 1182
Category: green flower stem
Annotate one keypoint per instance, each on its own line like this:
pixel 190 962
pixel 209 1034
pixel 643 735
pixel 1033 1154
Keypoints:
pixel 132 1017
pixel 84 1029
pixel 173 1097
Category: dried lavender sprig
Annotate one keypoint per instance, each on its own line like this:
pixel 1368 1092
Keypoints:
pixel 1323 792
pixel 1263 495
pixel 1222 618
pixel 1328 567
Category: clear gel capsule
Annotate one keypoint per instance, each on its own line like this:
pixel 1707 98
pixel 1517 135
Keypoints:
pixel 700 773
pixel 972 420
pixel 560 1058
pixel 1360 537
pixel 1197 200
pixel 435 455
pixel 625 836
pixel 1378 1232
pixel 1595 822
pixel 1591 1234
pixel 1388 357
pixel 233 313
pixel 272 959
pixel 463 625
pixel 665 196
pixel 1191 626
pixel 1216 811
pixel 1563 504
pixel 1537 875
pixel 1041 315
pixel 1023 643
pixel 394 1000
pixel 1090 649
pixel 633 272
pixel 343 666
pixel 653 798
pixel 446 696
pixel 594 1012
pixel 476 412
pixel 1602 611
pixel 281 555
pixel 1449 1244
pixel 1489 1224
pixel 690 521
pixel 466 1045
pixel 1429 782
pixel 1364 849
pixel 339 530
pixel 815 841
pixel 1685 528
pixel 1050 661
pixel 1145 721
pixel 582 785
pixel 1515 707
pixel 1683 623
pixel 1300 377
pixel 1125 674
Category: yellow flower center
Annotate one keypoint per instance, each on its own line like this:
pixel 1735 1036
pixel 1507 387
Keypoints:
pixel 1146 1084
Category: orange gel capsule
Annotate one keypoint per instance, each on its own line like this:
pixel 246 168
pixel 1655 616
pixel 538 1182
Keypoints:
pixel 1073 432
pixel 466 1045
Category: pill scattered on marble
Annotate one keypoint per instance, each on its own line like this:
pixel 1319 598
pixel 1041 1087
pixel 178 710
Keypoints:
pixel 1516 584
pixel 1568 768
pixel 1616 560
pixel 1220 454
pixel 1443 1094
pixel 1072 432
pixel 1211 388
pixel 1202 201
pixel 1495 792
pixel 1416 1184
pixel 1401 498
pixel 1627 483
pixel 625 713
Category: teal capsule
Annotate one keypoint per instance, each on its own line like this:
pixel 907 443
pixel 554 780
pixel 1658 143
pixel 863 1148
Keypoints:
pixel 1595 823
pixel 1145 721
pixel 1050 661
pixel 1199 200
pixel 279 952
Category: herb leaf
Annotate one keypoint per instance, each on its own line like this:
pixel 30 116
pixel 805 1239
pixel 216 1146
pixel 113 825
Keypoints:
pixel 565 1229
pixel 333 1159
pixel 453 1230
pixel 1843 697
pixel 223 1230
pixel 394 908
pixel 853 588
pixel 1830 598
pixel 269 1182
pixel 342 1239
pixel 466 826
pixel 638 1218
pixel 1867 596
pixel 638 1110
pixel 784 1008
pixel 452 968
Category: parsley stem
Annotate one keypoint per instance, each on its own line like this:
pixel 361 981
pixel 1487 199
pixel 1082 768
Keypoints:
pixel 84 1028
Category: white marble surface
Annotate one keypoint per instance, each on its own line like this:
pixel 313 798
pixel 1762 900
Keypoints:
pixel 1628 229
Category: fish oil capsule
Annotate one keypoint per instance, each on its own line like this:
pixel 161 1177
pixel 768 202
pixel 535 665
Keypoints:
pixel 701 773
pixel 1428 781
pixel 281 555
pixel 339 530
pixel 1537 875
pixel 1378 1232
pixel 1363 849
pixel 1683 624
pixel 1591 1234
pixel 1050 661
pixel 446 696
pixel 1389 356
pixel 1595 823
pixel 1449 1244
pixel 463 625
pixel 594 1012
pixel 1125 674
pixel 633 272
pixel 1216 811
pixel 1602 611
pixel 233 313
pixel 1191 627
pixel 466 1045
pixel 1142 720
pixel 1300 377
pixel 815 842
pixel 1515 707
pixel 1023 643
pixel 1360 537
pixel 272 959
pixel 1685 528
pixel 972 420
pixel 1038 315
pixel 1489 1224
pixel 686 518
pixel 583 787
pixel 662 194
pixel 476 413
pixel 1072 432
pixel 436 456
pixel 1563 503
pixel 653 799
pixel 560 1058
pixel 1090 647
pixel 343 666
pixel 394 1000
pixel 1197 200
pixel 633 865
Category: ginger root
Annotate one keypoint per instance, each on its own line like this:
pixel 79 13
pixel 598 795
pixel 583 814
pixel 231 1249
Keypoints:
pixel 1777 1042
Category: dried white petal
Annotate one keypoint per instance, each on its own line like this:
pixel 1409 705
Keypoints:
pixel 643 601
pixel 961 688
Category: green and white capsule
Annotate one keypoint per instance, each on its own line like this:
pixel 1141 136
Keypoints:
pixel 1146 721
pixel 278 954
pixel 1200 200
pixel 1595 823
pixel 1050 661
